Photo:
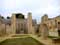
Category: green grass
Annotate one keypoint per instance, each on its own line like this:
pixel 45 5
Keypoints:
pixel 21 41
pixel 20 35
pixel 54 37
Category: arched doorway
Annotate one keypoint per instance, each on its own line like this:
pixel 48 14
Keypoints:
pixel 59 28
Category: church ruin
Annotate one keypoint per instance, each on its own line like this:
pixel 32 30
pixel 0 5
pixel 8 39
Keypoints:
pixel 18 24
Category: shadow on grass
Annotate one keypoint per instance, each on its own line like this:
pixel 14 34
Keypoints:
pixel 21 41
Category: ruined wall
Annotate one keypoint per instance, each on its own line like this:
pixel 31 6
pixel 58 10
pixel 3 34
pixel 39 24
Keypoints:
pixel 3 29
pixel 52 24
pixel 8 29
pixel 44 26
pixel 13 23
pixel 20 26
pixel 29 24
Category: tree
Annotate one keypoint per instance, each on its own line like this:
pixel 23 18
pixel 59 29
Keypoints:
pixel 8 17
pixel 2 17
pixel 20 15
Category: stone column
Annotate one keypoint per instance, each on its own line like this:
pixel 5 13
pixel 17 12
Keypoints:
pixel 8 29
pixel 13 23
pixel 0 26
pixel 43 31
pixel 29 23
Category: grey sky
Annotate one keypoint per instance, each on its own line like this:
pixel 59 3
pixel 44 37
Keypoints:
pixel 37 7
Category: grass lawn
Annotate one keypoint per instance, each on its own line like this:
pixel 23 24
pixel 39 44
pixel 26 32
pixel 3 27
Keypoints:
pixel 21 41
pixel 20 35
pixel 54 37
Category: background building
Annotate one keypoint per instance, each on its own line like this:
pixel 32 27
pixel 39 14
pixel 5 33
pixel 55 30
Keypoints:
pixel 50 26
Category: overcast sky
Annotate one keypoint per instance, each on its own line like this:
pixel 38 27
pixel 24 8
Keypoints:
pixel 37 7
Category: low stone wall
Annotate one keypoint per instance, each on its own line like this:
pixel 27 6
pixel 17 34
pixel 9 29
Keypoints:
pixel 3 38
pixel 10 37
pixel 38 40
pixel 43 41
pixel 51 33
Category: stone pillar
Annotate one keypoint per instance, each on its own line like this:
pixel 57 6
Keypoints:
pixel 0 26
pixel 29 23
pixel 8 29
pixel 43 31
pixel 2 31
pixel 13 23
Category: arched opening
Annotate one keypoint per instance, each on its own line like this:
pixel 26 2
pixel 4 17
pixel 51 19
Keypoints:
pixel 59 28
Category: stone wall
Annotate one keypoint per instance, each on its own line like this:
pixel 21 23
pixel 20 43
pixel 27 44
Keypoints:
pixel 29 24
pixel 52 24
pixel 13 23
pixel 8 29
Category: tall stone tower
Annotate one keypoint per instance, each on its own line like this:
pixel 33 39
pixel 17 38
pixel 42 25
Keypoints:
pixel 13 23
pixel 43 27
pixel 29 23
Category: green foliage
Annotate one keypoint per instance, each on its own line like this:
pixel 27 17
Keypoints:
pixel 2 17
pixel 20 35
pixel 21 16
pixel 8 17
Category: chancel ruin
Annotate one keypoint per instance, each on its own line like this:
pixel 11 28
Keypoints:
pixel 46 32
pixel 18 24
